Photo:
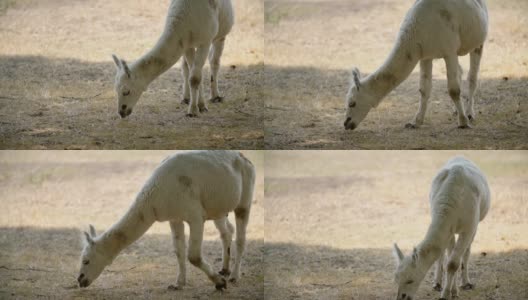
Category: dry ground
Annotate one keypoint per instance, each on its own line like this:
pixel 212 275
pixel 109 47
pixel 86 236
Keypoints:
pixel 56 79
pixel 311 46
pixel 47 197
pixel 331 218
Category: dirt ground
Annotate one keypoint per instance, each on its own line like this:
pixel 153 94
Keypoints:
pixel 48 197
pixel 311 46
pixel 57 79
pixel 332 216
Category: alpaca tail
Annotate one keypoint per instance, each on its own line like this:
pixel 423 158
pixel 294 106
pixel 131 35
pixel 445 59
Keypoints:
pixel 441 177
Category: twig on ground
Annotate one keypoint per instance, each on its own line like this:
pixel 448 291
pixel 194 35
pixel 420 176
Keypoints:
pixel 277 108
pixel 515 124
pixel 331 285
pixel 509 87
pixel 29 269
pixel 120 271
pixel 81 98
pixel 238 110
pixel 7 97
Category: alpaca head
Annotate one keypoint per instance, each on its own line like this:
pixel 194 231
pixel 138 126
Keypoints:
pixel 357 104
pixel 127 86
pixel 409 274
pixel 93 261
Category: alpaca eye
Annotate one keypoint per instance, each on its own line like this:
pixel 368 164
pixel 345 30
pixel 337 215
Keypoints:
pixel 353 104
pixel 126 93
pixel 86 262
pixel 409 281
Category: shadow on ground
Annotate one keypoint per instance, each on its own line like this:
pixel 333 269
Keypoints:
pixel 295 271
pixel 37 262
pixel 305 109
pixel 50 103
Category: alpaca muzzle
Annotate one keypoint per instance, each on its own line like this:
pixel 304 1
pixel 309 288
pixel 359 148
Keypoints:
pixel 125 112
pixel 349 125
pixel 83 282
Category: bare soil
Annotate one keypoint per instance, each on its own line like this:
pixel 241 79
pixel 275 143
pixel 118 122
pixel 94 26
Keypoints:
pixel 48 197
pixel 332 216
pixel 57 79
pixel 311 46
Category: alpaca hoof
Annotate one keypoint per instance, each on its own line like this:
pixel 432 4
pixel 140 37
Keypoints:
pixel 185 101
pixel 224 272
pixel 222 285
pixel 470 117
pixel 232 280
pixel 202 108
pixel 437 287
pixel 217 99
pixel 467 286
pixel 174 287
pixel 464 126
pixel 191 115
pixel 411 126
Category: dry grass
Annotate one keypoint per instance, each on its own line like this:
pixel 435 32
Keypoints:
pixel 47 197
pixel 331 218
pixel 56 79
pixel 312 45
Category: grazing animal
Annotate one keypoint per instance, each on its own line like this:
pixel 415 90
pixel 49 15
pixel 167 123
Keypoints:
pixel 195 29
pixel 432 29
pixel 188 187
pixel 460 199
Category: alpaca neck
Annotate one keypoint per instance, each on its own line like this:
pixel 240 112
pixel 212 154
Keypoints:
pixel 158 60
pixel 392 73
pixel 435 241
pixel 127 230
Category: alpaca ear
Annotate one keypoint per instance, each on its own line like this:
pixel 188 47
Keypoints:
pixel 396 252
pixel 117 62
pixel 88 239
pixel 125 67
pixel 414 256
pixel 92 231
pixel 356 76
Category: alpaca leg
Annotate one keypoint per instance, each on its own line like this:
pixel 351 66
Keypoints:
pixel 466 284
pixel 226 234
pixel 196 79
pixel 461 245
pixel 449 251
pixel 439 273
pixel 426 73
pixel 459 78
pixel 195 254
pixel 178 240
pixel 214 62
pixel 453 84
pixel 198 58
pixel 242 218
pixel 190 53
pixel 186 87
pixel 201 102
pixel 474 66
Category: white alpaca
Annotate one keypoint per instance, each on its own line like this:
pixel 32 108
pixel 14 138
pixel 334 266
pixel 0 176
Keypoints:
pixel 191 187
pixel 432 29
pixel 192 26
pixel 460 199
